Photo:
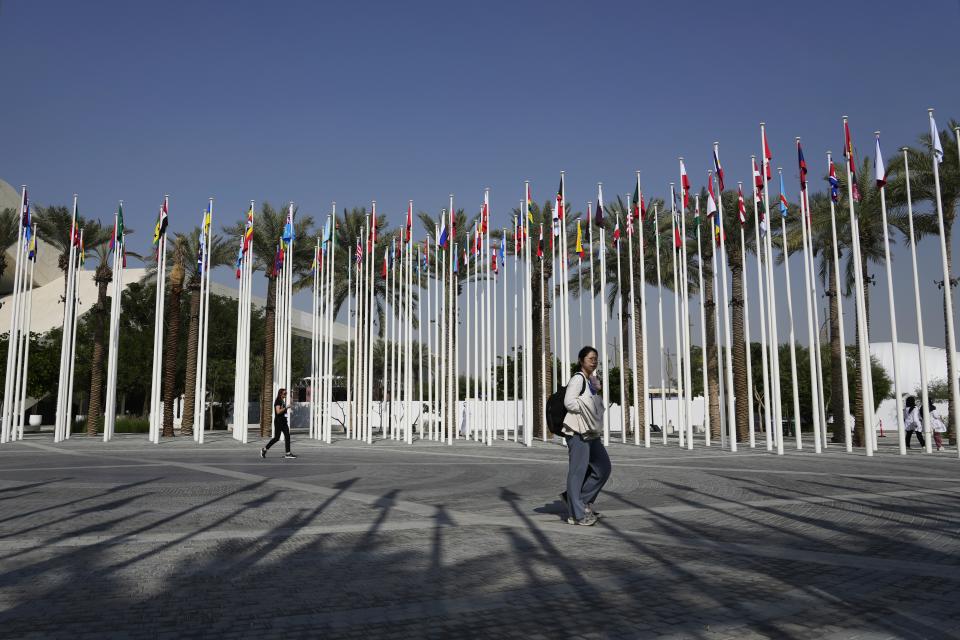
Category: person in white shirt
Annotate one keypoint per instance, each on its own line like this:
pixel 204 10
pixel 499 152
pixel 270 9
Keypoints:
pixel 589 464
pixel 912 421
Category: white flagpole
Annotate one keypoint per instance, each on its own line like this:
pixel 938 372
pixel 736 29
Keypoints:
pixel 370 284
pixel 554 298
pixel 603 324
pixel 637 400
pixel 433 334
pixel 451 347
pixel 26 340
pixel 727 319
pixel 593 315
pixel 506 350
pixel 348 423
pixel 924 378
pixel 327 408
pixel 23 337
pixel 862 333
pixel 901 436
pixel 490 370
pixel 156 401
pixel 703 329
pixel 816 325
pixel 517 243
pixel 442 399
pixel 843 344
pixel 623 383
pixel 543 332
pixel 947 284
pixel 726 418
pixel 762 310
pixel 772 302
pixel 314 339
pixel 677 311
pixel 110 406
pixel 73 342
pixel 810 296
pixel 685 323
pixel 408 406
pixel 385 414
pixel 746 331
pixel 527 328
pixel 663 375
pixel 14 328
pixel 481 339
pixel 564 351
pixel 204 331
pixel 66 332
pixel 792 333
pixel 643 321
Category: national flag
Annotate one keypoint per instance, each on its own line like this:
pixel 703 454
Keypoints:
pixel 207 218
pixel 518 235
pixel 711 201
pixel 741 208
pixel 783 198
pixel 529 205
pixel 880 171
pixel 443 234
pixel 629 225
pixel 935 141
pixel 598 218
pixel 834 183
pixel 851 163
pixel 540 244
pixel 202 246
pixel 248 230
pixel 503 249
pixel 802 166
pixel 477 242
pixel 359 251
pixel 409 220
pixel 757 182
pixel 327 232
pixel 767 156
pixel 83 252
pixel 616 234
pixel 277 261
pixel 684 185
pixel 635 206
pixel 426 255
pixel 484 214
pixel 493 258
pixel 32 248
pixel 287 235
pixel 696 212
pixel 456 262
pixel 161 227
pixel 118 235
pixel 239 262
pixel 317 257
pixel 386 256
pixel 677 240
pixel 719 170
pixel 372 241
pixel 25 212
pixel 579 246
pixel 558 211
pixel 76 235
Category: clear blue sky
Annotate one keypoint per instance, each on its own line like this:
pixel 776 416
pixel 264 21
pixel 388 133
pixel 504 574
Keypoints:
pixel 314 102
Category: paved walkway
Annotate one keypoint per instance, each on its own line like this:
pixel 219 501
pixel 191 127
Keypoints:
pixel 129 539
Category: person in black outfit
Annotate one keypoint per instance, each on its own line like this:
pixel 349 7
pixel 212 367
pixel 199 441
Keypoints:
pixel 280 425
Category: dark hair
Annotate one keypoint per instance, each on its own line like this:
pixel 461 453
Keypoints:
pixel 585 352
pixel 279 391
pixel 911 402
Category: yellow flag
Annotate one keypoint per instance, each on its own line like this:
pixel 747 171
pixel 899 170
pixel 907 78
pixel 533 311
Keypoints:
pixel 579 240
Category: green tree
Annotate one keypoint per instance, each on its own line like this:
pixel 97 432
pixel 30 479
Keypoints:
pixel 9 228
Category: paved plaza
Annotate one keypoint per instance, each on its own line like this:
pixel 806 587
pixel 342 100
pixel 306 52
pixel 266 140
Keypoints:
pixel 129 539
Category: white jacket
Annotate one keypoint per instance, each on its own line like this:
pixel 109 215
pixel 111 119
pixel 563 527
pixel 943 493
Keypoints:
pixel 584 408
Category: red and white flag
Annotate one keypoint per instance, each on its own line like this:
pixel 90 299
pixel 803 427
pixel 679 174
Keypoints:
pixel 741 209
pixel 881 172
pixel 684 185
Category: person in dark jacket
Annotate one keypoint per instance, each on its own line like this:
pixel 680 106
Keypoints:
pixel 280 426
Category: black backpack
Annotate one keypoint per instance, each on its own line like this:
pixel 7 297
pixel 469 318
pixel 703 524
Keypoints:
pixel 556 411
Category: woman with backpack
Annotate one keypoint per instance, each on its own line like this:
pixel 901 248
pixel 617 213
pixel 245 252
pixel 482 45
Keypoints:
pixel 280 425
pixel 589 464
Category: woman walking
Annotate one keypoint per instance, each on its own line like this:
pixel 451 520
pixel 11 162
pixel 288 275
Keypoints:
pixel 280 425
pixel 589 464
pixel 938 426
pixel 912 421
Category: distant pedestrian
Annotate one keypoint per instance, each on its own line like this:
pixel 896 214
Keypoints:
pixel 938 426
pixel 280 426
pixel 589 464
pixel 913 421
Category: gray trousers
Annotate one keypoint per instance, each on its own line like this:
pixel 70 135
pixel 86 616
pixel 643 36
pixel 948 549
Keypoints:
pixel 588 471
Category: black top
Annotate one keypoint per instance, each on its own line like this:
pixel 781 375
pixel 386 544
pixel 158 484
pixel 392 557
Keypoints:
pixel 280 419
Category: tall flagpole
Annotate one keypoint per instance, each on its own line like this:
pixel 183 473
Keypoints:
pixel 727 319
pixel 881 182
pixel 792 332
pixel 863 338
pixel 645 406
pixel 517 244
pixel 844 419
pixel 685 322
pixel 771 301
pixel 63 412
pixel 8 410
pixel 73 338
pixel 634 358
pixel 924 377
pixel 593 315
pixel 368 377
pixel 623 383
pixel 528 326
pixel 677 311
pixel 810 297
pixel 503 311
pixel 703 330
pixel 543 332
pixel 746 319
pixel 764 311
pixel 663 376
pixel 603 321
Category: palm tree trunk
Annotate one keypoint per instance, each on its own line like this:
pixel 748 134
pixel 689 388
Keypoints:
pixel 171 349
pixel 742 393
pixel 837 352
pixel 266 390
pixel 102 277
pixel 711 353
pixel 860 430
pixel 948 235
pixel 193 339
pixel 543 378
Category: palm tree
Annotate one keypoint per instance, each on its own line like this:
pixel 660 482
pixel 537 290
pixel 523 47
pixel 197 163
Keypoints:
pixel 179 257
pixel 923 189
pixel 97 240
pixel 9 228
pixel 220 254
pixel 268 228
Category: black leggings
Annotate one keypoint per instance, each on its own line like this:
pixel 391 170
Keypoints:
pixel 285 430
pixel 919 437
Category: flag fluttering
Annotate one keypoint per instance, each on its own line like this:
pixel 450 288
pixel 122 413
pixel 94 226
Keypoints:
pixel 879 171
pixel 935 141
pixel 783 198
pixel 579 246
pixel 741 208
pixel 684 185
pixel 598 218
pixel 802 166
pixel 719 170
pixel 161 227
pixel 848 153
pixel 248 230
pixel 834 183
pixel 616 234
